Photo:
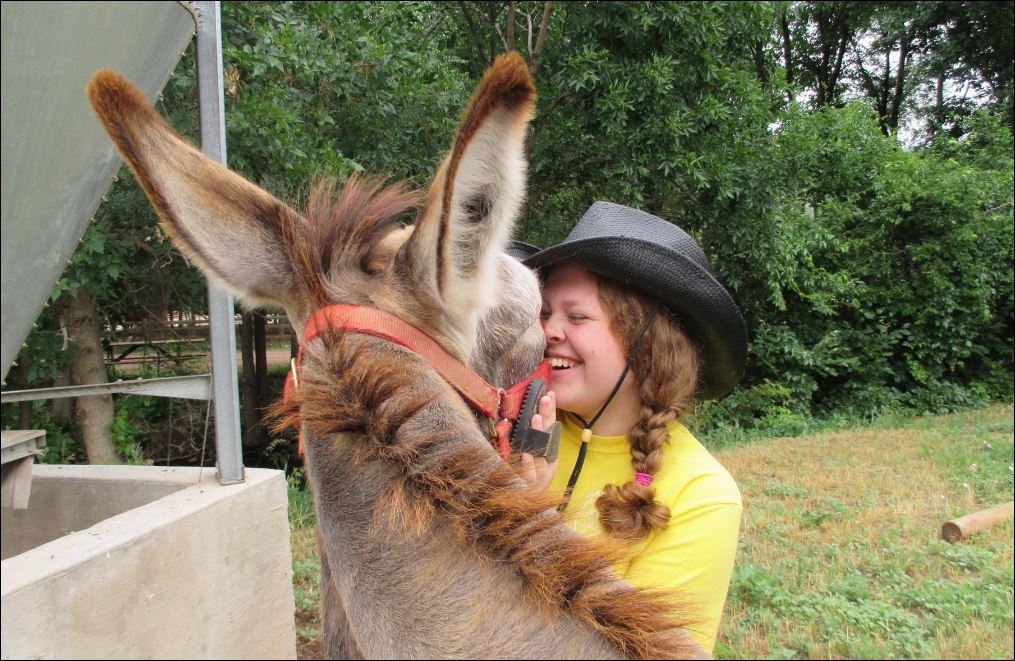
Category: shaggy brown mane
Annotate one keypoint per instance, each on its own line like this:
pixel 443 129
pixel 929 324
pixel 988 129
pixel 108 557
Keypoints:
pixel 342 228
pixel 353 384
pixel 392 450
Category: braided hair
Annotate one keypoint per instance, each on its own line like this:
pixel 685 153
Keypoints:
pixel 666 367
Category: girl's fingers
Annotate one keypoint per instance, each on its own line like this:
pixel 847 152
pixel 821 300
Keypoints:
pixel 528 470
pixel 537 473
pixel 548 408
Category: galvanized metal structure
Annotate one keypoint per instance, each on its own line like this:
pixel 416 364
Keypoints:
pixel 228 448
pixel 197 386
pixel 58 162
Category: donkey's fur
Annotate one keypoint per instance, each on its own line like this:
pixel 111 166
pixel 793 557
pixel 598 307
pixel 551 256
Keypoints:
pixel 430 544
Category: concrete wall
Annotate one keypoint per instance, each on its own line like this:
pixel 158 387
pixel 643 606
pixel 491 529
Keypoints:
pixel 69 498
pixel 204 571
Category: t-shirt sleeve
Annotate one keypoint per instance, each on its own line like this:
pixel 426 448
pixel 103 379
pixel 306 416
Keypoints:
pixel 693 557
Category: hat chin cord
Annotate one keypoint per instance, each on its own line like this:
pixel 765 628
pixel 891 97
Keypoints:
pixel 586 435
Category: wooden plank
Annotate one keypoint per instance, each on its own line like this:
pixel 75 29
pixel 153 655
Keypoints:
pixel 196 386
pixel 186 340
pixel 16 483
pixel 9 437
pixel 20 444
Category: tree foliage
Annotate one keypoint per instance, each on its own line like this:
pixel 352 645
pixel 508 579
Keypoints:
pixel 874 272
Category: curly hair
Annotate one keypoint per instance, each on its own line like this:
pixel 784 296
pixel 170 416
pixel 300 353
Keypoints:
pixel 666 367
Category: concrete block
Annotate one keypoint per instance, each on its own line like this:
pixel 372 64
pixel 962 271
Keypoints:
pixel 187 568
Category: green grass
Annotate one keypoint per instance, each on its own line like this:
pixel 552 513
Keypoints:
pixel 840 555
pixel 306 592
pixel 306 566
pixel 301 503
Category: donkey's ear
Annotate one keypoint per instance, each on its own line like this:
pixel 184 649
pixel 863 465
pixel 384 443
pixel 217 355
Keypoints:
pixel 477 193
pixel 231 229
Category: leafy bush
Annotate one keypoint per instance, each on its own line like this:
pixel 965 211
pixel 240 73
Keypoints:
pixel 888 275
pixel 872 279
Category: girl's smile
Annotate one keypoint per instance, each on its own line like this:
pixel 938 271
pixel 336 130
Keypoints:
pixel 585 354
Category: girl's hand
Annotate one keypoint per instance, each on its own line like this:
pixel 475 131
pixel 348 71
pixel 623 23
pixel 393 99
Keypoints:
pixel 536 471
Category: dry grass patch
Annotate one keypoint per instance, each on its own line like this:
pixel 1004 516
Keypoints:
pixel 839 551
pixel 840 555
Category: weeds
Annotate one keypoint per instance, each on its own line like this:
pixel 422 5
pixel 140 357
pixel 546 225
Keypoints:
pixel 840 556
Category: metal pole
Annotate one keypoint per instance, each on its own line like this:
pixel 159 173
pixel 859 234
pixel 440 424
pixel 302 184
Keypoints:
pixel 197 386
pixel 228 446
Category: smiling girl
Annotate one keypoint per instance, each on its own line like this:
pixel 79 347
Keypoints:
pixel 636 329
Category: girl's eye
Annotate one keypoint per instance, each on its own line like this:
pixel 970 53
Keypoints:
pixel 577 317
pixel 544 314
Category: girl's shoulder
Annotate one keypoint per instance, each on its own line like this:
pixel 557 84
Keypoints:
pixel 691 473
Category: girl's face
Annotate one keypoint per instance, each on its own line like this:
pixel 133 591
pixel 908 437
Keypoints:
pixel 587 357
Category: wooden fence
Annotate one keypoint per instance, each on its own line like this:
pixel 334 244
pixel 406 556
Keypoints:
pixel 176 338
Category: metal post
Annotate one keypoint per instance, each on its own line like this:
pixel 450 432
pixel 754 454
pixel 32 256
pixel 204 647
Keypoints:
pixel 228 446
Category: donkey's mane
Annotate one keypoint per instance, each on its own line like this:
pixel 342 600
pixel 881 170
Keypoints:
pixel 382 408
pixel 341 229
pixel 354 386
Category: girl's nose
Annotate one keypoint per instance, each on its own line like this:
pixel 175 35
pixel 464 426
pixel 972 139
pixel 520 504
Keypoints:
pixel 553 329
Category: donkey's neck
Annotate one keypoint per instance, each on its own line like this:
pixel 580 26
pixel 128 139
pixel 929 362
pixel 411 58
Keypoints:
pixel 433 542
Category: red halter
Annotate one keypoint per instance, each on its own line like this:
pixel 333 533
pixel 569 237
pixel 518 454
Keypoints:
pixel 499 405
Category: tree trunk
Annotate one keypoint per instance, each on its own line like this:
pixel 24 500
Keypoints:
pixel 939 105
pixel 837 68
pixel 61 408
pixel 534 56
pixel 511 25
pixel 787 52
pixel 882 100
pixel 251 432
pixel 261 358
pixel 826 55
pixel 760 62
pixel 24 408
pixel 94 413
pixel 900 83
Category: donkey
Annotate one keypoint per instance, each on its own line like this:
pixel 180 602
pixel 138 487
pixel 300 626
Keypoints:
pixel 430 544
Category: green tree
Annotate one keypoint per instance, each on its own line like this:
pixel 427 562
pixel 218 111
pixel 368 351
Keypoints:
pixel 816 38
pixel 929 61
pixel 870 277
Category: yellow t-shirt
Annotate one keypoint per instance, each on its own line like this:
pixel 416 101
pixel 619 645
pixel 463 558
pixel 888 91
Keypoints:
pixel 694 554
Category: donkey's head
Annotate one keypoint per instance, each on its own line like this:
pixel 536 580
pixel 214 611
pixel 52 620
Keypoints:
pixel 447 274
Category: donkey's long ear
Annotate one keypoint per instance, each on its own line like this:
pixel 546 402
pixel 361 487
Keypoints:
pixel 227 226
pixel 476 195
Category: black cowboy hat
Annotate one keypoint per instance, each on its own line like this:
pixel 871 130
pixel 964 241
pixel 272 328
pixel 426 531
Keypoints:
pixel 661 260
pixel 520 250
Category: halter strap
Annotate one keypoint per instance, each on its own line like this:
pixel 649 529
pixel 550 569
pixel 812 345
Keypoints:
pixel 494 403
pixel 371 321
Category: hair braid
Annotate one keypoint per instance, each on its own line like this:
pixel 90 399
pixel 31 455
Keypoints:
pixel 666 366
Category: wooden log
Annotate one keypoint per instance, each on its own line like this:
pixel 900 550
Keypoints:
pixel 964 526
